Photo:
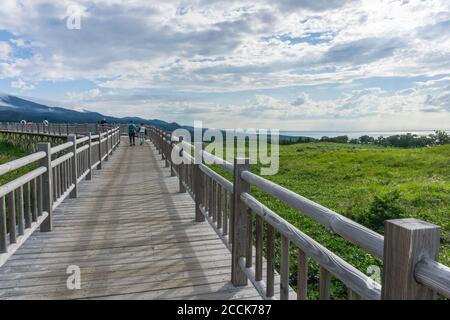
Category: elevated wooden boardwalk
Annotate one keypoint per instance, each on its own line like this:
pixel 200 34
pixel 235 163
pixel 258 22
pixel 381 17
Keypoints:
pixel 148 228
pixel 132 235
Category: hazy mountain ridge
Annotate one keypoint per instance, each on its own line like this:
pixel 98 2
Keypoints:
pixel 15 109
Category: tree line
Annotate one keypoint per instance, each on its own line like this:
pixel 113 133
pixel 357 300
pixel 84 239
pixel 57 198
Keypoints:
pixel 408 140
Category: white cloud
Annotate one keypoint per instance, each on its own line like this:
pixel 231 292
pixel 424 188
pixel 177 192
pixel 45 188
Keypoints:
pixel 5 50
pixel 217 47
pixel 21 85
pixel 209 45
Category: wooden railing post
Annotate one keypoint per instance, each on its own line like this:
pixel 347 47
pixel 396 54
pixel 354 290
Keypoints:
pixel 74 167
pixel 172 170
pixel 166 149
pixel 99 166
pixel 406 242
pixel 47 187
pixel 198 183
pixel 107 145
pixel 239 220
pixel 161 145
pixel 181 169
pixel 89 160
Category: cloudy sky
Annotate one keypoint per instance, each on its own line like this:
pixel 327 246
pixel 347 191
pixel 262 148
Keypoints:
pixel 292 65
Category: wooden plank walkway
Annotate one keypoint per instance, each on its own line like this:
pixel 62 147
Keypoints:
pixel 132 235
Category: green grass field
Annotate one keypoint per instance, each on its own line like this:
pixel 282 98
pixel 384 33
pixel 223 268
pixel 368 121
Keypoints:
pixel 366 183
pixel 363 182
pixel 8 152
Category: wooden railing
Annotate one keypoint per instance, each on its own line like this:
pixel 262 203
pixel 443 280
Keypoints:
pixel 409 249
pixel 56 129
pixel 28 201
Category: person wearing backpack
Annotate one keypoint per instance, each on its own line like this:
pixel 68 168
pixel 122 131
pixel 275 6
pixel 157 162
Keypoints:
pixel 142 131
pixel 132 133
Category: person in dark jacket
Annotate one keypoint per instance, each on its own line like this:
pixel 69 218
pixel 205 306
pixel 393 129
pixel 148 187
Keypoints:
pixel 132 133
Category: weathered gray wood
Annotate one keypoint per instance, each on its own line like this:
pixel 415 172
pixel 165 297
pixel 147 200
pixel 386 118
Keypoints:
pixel 302 275
pixel 33 200
pixel 238 276
pixel 259 249
pixel 89 158
pixel 284 268
pixel 345 272
pixel 12 217
pixel 249 242
pixel 348 229
pixel 434 275
pixel 124 255
pixel 351 295
pixel 324 284
pixel 181 186
pixel 100 152
pixel 270 261
pixel 40 196
pixel 47 188
pixel 407 241
pixel 3 234
pixel 20 181
pixel 20 211
pixel 219 206
pixel 74 167
pixel 19 163
pixel 225 213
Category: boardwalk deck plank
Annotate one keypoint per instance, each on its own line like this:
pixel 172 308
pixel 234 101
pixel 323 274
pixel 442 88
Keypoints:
pixel 132 235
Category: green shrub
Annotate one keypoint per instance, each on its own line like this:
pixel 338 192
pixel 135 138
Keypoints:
pixel 383 207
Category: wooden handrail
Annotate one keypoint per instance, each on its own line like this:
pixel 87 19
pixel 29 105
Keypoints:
pixel 60 169
pixel 213 195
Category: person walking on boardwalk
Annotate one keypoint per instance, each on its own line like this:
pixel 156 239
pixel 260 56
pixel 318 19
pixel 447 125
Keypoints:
pixel 142 131
pixel 132 133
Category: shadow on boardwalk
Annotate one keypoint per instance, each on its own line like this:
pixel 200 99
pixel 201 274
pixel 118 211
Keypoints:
pixel 132 235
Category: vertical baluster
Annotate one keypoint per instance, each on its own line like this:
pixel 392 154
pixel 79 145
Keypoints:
pixel 74 168
pixel 219 206
pixel 67 166
pixel 214 200
pixel 53 175
pixel 324 285
pixel 20 210
pixel 249 240
pixel 40 196
pixel 352 295
pixel 47 188
pixel 181 175
pixel 63 176
pixel 211 198
pixel 34 200
pixel 89 158
pixel 56 183
pixel 302 275
pixel 284 269
pixel 60 182
pixel 225 213
pixel 3 232
pixel 270 261
pixel 239 222
pixel 259 248
pixel 12 217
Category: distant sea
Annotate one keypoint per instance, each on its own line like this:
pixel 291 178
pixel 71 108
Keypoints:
pixel 353 134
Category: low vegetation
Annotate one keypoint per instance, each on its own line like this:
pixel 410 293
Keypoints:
pixel 367 183
pixel 408 140
pixel 9 152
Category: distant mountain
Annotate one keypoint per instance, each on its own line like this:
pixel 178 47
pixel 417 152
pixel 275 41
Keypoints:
pixel 15 109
